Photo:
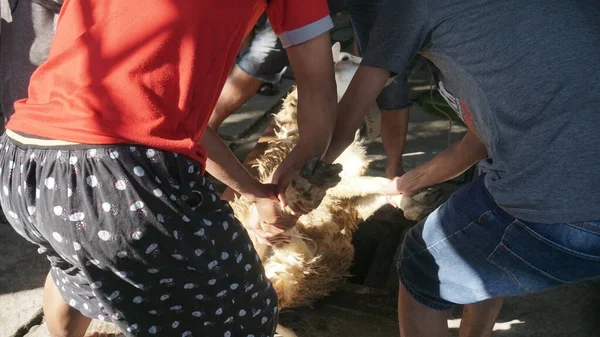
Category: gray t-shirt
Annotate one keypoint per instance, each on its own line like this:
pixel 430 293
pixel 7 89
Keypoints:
pixel 525 77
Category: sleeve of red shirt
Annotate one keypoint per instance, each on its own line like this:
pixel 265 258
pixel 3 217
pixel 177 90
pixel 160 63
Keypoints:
pixel 297 21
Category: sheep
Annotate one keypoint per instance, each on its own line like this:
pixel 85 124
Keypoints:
pixel 318 257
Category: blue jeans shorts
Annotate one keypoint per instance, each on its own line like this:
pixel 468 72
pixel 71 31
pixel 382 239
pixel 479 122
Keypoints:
pixel 265 59
pixel 470 250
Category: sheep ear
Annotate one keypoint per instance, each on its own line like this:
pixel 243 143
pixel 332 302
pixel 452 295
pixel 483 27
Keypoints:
pixel 336 49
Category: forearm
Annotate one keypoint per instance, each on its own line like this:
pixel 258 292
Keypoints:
pixel 448 164
pixel 317 97
pixel 224 166
pixel 361 93
pixel 316 119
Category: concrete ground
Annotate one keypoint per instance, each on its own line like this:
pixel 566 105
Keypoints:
pixel 366 307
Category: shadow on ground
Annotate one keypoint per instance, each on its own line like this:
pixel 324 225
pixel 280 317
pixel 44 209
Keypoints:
pixel 21 267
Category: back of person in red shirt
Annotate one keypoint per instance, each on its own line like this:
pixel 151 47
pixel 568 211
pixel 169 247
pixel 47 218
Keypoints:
pixel 102 165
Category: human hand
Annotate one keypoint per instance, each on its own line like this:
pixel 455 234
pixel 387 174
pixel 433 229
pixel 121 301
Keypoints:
pixel 266 234
pixel 271 215
pixel 400 186
pixel 309 186
pixel 283 176
pixel 267 218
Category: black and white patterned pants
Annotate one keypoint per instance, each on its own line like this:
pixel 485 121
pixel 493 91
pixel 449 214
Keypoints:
pixel 137 236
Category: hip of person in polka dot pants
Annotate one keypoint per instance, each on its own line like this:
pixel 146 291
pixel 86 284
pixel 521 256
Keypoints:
pixel 135 236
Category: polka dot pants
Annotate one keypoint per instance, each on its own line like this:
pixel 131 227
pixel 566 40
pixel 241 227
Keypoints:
pixel 137 236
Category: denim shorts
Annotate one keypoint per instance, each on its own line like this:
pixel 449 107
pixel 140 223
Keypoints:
pixel 265 59
pixel 470 250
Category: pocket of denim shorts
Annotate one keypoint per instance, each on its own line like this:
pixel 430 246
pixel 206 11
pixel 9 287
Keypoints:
pixel 542 255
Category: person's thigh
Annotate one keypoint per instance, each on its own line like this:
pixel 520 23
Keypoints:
pixel 470 250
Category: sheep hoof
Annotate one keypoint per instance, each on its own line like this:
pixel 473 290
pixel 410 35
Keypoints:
pixel 421 204
pixel 320 174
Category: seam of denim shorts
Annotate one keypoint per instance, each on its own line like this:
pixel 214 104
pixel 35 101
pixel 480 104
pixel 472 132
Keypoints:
pixel 532 266
pixel 428 302
pixel 393 107
pixel 437 242
pixel 501 244
pixel 478 220
pixel 555 245
pixel 427 248
pixel 506 271
pixel 585 226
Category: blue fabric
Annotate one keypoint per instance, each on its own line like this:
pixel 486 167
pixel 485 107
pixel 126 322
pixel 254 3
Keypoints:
pixel 363 14
pixel 470 250
pixel 265 59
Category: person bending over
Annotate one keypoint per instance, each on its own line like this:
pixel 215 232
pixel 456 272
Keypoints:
pixel 102 164
pixel 531 220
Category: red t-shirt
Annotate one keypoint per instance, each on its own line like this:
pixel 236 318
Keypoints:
pixel 148 72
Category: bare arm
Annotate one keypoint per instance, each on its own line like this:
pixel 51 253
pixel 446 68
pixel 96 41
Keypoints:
pixel 317 97
pixel 448 164
pixel 366 84
pixel 223 165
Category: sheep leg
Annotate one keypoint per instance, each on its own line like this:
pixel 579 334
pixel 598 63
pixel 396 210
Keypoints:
pixel 369 189
pixel 351 187
pixel 310 185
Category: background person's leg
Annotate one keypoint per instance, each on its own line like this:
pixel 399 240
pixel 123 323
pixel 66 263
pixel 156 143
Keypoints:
pixel 61 319
pixel 478 318
pixel 418 320
pixel 394 128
